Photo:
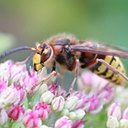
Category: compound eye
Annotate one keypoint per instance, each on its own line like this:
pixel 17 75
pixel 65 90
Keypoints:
pixel 46 54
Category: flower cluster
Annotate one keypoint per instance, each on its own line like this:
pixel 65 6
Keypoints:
pixel 116 117
pixel 27 102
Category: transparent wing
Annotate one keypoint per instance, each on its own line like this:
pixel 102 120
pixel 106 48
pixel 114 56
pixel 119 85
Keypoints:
pixel 94 47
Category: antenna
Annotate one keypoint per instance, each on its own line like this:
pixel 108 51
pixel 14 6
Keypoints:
pixel 11 51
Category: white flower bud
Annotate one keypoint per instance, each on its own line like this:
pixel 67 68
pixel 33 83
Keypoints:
pixel 112 122
pixel 77 115
pixel 63 122
pixel 71 102
pixel 123 123
pixel 65 112
pixel 43 88
pixel 58 103
pixel 44 126
pixel 72 115
pixel 47 97
pixel 80 113
pixel 3 117
pixel 115 110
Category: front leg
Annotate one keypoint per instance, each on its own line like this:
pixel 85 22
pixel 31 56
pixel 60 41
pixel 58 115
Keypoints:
pixel 48 77
pixel 54 66
pixel 77 70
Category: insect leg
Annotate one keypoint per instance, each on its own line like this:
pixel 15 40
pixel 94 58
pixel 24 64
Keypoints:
pixel 51 75
pixel 112 68
pixel 54 66
pixel 76 75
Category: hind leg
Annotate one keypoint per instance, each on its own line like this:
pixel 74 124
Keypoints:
pixel 112 68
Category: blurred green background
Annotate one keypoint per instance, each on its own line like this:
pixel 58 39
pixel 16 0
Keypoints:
pixel 24 22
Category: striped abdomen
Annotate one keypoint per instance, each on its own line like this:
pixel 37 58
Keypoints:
pixel 102 70
pixel 106 73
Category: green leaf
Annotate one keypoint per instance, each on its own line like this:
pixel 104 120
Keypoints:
pixel 18 125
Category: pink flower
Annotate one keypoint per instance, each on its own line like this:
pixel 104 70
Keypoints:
pixel 114 110
pixel 5 69
pixel 16 69
pixel 20 90
pixel 93 104
pixel 30 81
pixel 31 120
pixel 43 110
pixel 3 84
pixel 89 81
pixel 82 98
pixel 53 88
pixel 88 103
pixel 18 72
pixel 9 97
pixel 106 93
pixel 125 114
pixel 15 112
pixel 78 124
pixel 63 122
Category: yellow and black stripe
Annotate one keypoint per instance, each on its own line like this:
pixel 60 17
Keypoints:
pixel 103 71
